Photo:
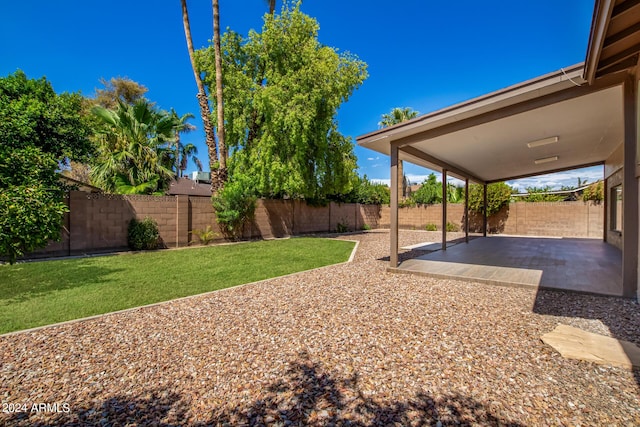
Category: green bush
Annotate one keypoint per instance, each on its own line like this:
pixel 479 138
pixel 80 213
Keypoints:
pixel 431 227
pixel 234 205
pixel 498 195
pixel 594 192
pixel 366 227
pixel 451 227
pixel 205 236
pixel 143 235
pixel 341 227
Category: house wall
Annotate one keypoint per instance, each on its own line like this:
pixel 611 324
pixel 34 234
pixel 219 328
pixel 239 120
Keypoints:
pixel 613 173
pixel 98 222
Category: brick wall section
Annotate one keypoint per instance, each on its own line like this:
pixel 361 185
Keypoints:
pixel 565 219
pixel 98 222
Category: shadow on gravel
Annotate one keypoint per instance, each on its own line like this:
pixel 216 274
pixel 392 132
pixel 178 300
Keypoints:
pixel 620 315
pixel 308 395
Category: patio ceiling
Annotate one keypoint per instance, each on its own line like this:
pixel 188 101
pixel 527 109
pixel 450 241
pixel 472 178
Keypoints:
pixel 486 139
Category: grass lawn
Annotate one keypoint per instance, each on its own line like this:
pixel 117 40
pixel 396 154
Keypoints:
pixel 40 293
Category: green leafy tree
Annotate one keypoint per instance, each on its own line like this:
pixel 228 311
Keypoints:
pixel 184 152
pixel 282 89
pixel 366 192
pixel 594 192
pixel 540 194
pixel 235 204
pixel 430 192
pixel 134 153
pixel 498 196
pixel 120 89
pixel 40 131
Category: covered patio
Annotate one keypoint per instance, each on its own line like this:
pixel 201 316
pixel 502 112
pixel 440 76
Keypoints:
pixel 581 265
pixel 579 116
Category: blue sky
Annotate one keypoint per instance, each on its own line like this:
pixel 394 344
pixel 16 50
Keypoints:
pixel 421 54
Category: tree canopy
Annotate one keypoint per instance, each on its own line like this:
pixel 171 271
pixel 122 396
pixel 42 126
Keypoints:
pixel 397 115
pixel 119 89
pixel 39 131
pixel 282 90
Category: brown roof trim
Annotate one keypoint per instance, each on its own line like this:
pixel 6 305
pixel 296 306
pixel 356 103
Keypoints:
pixel 514 90
pixel 602 11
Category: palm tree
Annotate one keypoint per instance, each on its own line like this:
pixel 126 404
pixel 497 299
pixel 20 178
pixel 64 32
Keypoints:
pixel 218 171
pixel 185 152
pixel 399 115
pixel 205 111
pixel 134 142
pixel 182 126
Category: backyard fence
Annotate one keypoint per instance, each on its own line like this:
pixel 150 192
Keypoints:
pixel 98 222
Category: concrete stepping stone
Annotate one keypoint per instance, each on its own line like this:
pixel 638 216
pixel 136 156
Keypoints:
pixel 574 343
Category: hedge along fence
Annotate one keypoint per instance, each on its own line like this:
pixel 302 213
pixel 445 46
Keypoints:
pixel 562 219
pixel 98 222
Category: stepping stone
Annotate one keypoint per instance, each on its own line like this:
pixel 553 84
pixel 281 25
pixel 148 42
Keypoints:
pixel 574 343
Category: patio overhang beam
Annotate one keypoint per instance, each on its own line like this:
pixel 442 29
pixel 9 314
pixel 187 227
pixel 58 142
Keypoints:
pixel 452 170
pixel 511 110
pixel 529 175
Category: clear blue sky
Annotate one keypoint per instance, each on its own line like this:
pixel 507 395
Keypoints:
pixel 421 54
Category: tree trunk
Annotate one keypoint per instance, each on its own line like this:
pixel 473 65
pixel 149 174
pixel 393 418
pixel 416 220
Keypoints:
pixel 221 176
pixel 272 6
pixel 203 102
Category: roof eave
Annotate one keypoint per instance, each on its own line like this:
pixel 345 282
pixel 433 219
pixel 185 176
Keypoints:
pixel 602 11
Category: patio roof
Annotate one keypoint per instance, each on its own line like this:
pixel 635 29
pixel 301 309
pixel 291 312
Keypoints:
pixel 550 123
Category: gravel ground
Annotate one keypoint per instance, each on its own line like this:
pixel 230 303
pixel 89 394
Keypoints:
pixel 343 345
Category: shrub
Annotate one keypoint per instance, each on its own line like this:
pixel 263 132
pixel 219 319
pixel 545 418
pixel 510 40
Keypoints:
pixel 498 195
pixel 594 192
pixel 431 227
pixel 143 235
pixel 430 192
pixel 205 236
pixel 234 205
pixel 451 227
pixel 366 227
pixel 341 227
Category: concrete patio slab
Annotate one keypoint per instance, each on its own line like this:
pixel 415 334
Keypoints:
pixel 574 343
pixel 575 264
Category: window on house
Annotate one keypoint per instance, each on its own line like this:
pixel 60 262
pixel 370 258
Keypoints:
pixel 616 208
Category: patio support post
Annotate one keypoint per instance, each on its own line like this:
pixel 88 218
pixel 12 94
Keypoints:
pixel 484 211
pixel 630 191
pixel 605 214
pixel 466 210
pixel 393 238
pixel 444 209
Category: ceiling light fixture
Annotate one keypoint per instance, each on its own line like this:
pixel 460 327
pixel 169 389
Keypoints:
pixel 545 160
pixel 541 142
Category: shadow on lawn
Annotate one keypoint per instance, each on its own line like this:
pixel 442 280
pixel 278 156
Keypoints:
pixel 620 315
pixel 18 285
pixel 308 395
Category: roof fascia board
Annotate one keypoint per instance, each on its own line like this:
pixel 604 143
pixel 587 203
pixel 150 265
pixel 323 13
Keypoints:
pixel 602 12
pixel 529 88
pixel 511 110
pixel 529 175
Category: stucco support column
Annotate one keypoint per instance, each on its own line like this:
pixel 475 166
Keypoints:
pixel 444 209
pixel 605 213
pixel 466 210
pixel 393 214
pixel 630 191
pixel 484 210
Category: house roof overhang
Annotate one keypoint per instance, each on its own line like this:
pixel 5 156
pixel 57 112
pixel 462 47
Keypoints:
pixel 614 39
pixel 487 139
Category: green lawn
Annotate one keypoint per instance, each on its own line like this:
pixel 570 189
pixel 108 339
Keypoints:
pixel 40 293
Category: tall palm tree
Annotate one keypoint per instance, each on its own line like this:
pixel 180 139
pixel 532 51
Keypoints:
pixel 399 115
pixel 218 174
pixel 134 142
pixel 182 126
pixel 185 152
pixel 205 111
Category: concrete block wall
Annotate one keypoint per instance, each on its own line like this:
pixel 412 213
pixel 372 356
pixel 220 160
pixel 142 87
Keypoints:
pixel 565 219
